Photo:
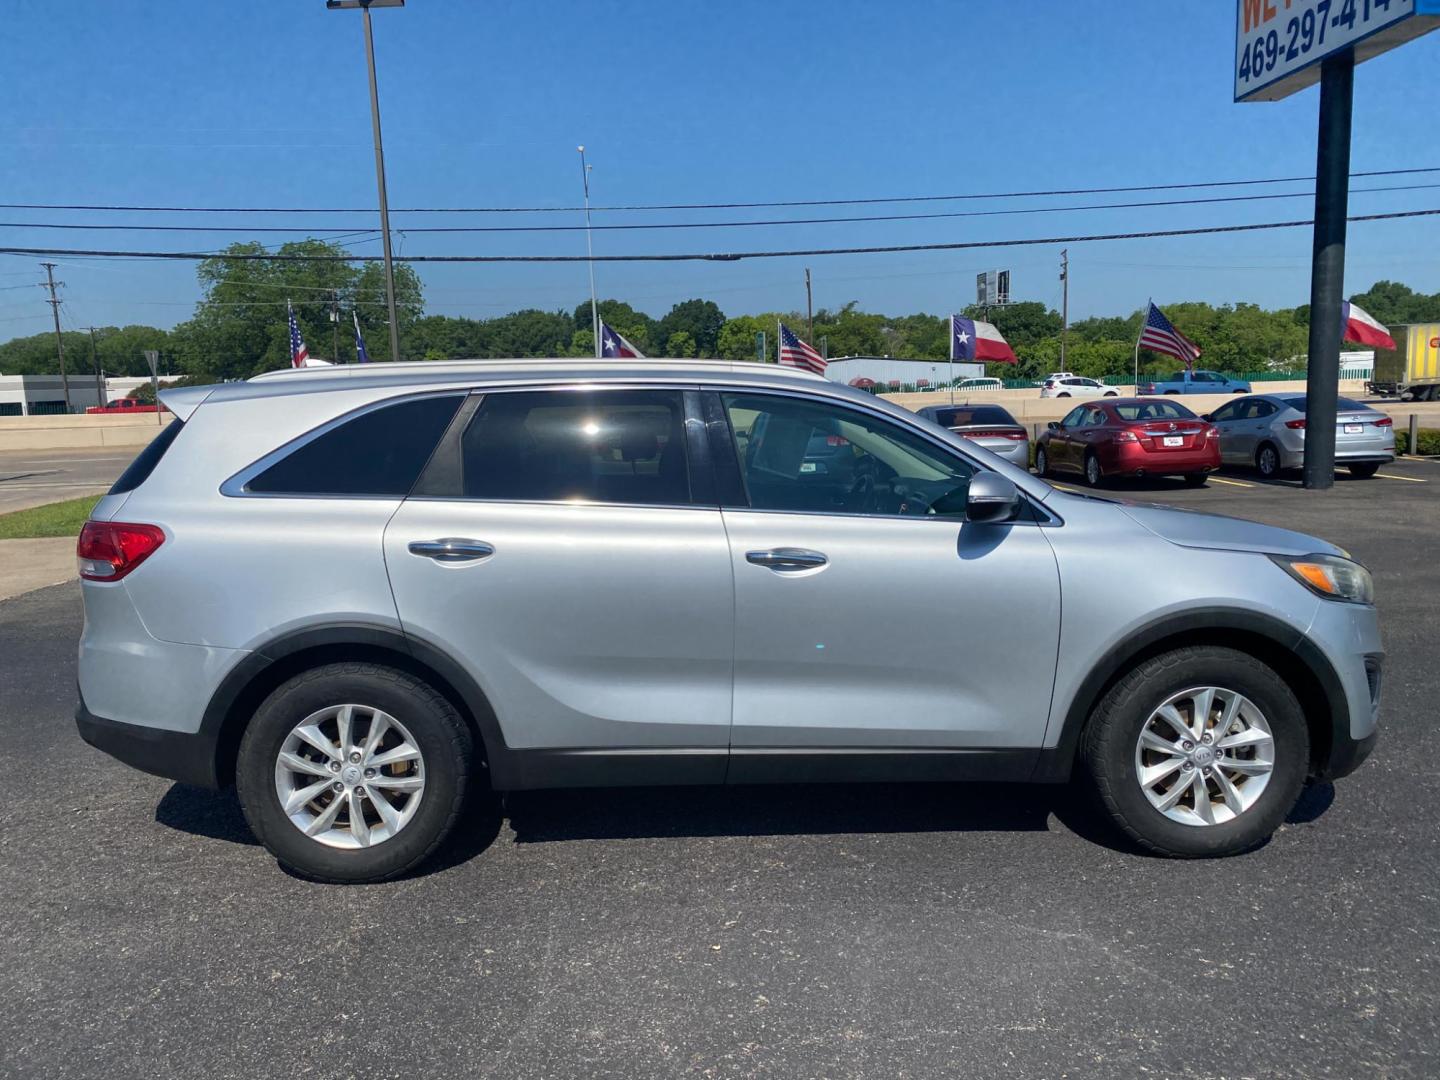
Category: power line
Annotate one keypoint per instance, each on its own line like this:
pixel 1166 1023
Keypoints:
pixel 698 206
pixel 250 229
pixel 716 256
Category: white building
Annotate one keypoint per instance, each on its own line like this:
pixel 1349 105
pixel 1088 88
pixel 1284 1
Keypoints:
pixel 887 369
pixel 26 395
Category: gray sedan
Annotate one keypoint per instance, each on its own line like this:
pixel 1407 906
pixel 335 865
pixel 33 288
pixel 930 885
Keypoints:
pixel 1267 431
pixel 989 426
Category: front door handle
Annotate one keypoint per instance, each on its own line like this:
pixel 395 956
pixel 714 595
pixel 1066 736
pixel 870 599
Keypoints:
pixel 787 559
pixel 452 549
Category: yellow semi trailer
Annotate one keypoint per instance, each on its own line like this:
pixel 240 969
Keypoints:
pixel 1412 368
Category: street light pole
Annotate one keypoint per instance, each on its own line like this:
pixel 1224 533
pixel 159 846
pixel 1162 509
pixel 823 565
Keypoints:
pixel 365 6
pixel 590 254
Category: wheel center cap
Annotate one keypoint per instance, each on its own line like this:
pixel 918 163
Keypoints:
pixel 1203 756
pixel 351 774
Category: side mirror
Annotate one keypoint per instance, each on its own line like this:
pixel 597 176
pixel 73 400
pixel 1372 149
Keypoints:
pixel 992 498
pixel 1053 425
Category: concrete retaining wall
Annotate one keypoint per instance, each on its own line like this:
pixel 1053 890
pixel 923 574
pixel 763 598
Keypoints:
pixel 77 432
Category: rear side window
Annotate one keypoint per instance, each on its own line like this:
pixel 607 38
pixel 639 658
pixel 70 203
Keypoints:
pixel 977 414
pixel 1154 410
pixel 379 452
pixel 613 446
pixel 144 464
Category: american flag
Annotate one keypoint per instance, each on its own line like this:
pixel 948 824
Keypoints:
pixel 299 355
pixel 1156 333
pixel 795 353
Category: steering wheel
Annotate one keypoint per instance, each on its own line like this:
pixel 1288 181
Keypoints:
pixel 863 493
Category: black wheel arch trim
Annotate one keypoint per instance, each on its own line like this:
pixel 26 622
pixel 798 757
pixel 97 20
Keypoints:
pixel 1330 760
pixel 221 724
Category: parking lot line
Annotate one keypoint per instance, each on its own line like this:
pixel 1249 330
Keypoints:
pixel 1232 483
pixel 1412 479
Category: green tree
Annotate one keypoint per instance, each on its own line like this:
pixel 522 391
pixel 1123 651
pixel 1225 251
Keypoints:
pixel 680 344
pixel 702 320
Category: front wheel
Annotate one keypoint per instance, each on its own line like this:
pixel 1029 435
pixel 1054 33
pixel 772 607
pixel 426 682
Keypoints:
pixel 353 772
pixel 1042 462
pixel 1111 393
pixel 1198 752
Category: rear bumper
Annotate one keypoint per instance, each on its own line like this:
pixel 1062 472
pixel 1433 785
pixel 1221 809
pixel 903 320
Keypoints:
pixel 175 755
pixel 1136 460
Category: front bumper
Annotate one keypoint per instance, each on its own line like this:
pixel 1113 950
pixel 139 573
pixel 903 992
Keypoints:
pixel 176 755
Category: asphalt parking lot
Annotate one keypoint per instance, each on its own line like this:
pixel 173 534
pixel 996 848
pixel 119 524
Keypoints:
pixel 863 931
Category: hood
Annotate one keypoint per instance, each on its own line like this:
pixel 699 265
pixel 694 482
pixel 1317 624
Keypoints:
pixel 1192 529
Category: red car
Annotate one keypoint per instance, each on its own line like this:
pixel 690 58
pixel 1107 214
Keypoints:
pixel 1129 437
pixel 124 405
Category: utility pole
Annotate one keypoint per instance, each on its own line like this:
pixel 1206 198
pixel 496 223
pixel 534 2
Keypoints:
pixel 809 310
pixel 1064 304
pixel 95 363
pixel 59 341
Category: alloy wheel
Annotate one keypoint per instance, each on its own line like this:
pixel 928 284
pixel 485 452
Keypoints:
pixel 1269 461
pixel 1092 470
pixel 350 776
pixel 1204 756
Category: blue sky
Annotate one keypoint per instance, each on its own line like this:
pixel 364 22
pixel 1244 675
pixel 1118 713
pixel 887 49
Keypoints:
pixel 264 102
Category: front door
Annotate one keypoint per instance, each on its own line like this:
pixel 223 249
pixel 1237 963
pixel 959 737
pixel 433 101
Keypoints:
pixel 868 613
pixel 560 552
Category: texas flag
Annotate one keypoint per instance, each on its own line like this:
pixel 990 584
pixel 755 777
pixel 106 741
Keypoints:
pixel 973 340
pixel 1362 327
pixel 614 346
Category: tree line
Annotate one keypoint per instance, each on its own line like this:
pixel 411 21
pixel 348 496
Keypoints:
pixel 240 327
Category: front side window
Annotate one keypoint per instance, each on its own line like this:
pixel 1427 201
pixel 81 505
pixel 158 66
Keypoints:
pixel 1227 413
pixel 1073 417
pixel 612 446
pixel 805 456
pixel 379 452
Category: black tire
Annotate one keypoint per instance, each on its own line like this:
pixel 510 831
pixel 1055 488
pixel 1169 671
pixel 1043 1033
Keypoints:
pixel 1111 393
pixel 1094 474
pixel 1063 393
pixel 1363 470
pixel 1169 393
pixel 1267 461
pixel 1194 480
pixel 439 732
pixel 1110 737
pixel 1239 391
pixel 1042 462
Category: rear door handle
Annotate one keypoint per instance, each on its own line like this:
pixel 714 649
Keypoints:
pixel 787 559
pixel 452 549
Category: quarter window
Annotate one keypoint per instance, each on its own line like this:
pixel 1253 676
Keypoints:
pixel 805 456
pixel 613 446
pixel 379 452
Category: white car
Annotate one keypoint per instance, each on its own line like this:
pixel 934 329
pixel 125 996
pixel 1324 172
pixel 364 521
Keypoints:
pixel 980 384
pixel 1058 386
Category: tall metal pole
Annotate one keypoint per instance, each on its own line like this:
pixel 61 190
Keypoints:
pixel 380 181
pixel 590 254
pixel 59 341
pixel 809 310
pixel 1064 304
pixel 95 363
pixel 1327 272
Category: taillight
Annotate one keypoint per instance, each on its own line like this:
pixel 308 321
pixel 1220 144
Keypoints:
pixel 1016 435
pixel 108 550
pixel 1212 433
pixel 1385 421
pixel 1148 388
pixel 1126 436
pixel 1295 425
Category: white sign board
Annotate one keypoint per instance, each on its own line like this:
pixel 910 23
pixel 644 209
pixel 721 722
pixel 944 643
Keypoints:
pixel 1279 43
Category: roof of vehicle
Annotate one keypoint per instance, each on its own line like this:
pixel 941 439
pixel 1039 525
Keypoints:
pixel 1163 402
pixel 438 373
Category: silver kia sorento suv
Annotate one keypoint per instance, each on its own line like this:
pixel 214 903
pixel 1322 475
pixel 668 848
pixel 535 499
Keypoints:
pixel 359 593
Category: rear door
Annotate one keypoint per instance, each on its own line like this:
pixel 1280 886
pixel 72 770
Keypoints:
pixel 566 550
pixel 869 615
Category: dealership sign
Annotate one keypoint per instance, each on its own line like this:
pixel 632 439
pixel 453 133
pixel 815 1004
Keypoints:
pixel 1279 43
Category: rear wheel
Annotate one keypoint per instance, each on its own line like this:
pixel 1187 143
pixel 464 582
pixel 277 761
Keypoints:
pixel 1093 473
pixel 353 772
pixel 1198 752
pixel 1363 470
pixel 1194 480
pixel 1267 461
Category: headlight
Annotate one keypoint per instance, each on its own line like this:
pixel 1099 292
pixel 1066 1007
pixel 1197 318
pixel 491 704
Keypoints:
pixel 1331 576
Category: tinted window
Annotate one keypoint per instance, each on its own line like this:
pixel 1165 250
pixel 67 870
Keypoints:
pixel 1073 417
pixel 144 464
pixel 1230 411
pixel 379 452
pixel 871 466
pixel 1154 410
pixel 1344 404
pixel 971 414
pixel 615 446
